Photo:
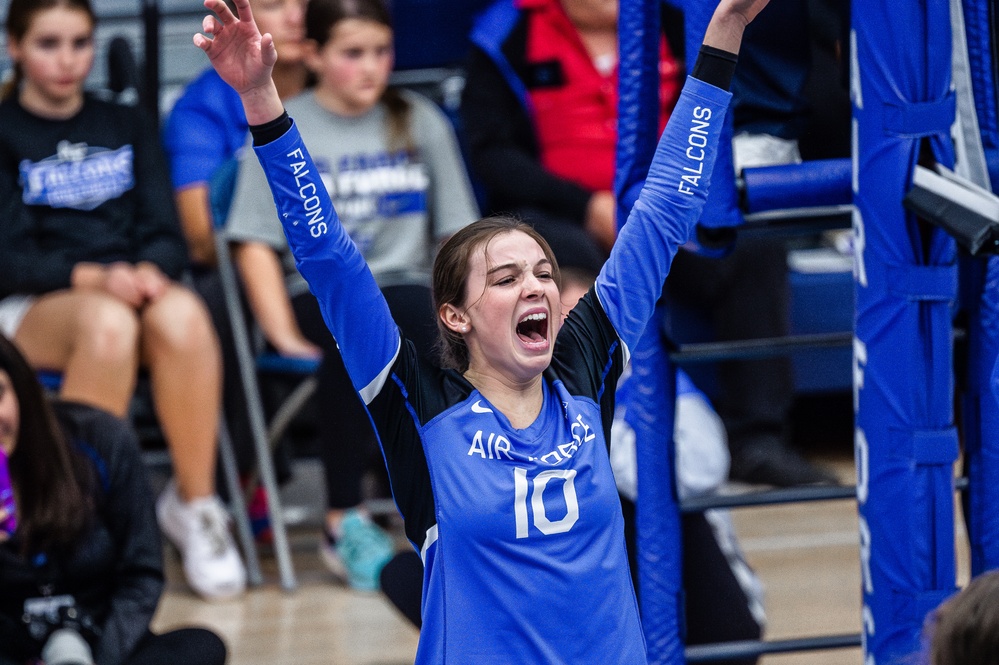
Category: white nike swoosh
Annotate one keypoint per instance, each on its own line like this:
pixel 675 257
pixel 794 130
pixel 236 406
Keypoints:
pixel 478 408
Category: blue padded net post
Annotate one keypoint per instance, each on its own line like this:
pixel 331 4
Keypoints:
pixel 660 555
pixel 980 290
pixel 638 108
pixel 905 284
pixel 657 513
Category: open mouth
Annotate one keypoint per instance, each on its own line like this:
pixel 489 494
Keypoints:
pixel 533 328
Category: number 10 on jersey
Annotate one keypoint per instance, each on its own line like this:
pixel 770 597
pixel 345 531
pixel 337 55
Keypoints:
pixel 522 484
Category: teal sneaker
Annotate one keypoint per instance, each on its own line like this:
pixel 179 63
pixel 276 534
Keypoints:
pixel 359 555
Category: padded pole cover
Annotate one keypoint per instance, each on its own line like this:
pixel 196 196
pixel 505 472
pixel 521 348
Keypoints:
pixel 660 579
pixel 905 284
pixel 980 285
pixel 982 419
pixel 651 412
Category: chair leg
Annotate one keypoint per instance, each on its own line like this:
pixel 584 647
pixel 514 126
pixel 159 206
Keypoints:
pixel 238 506
pixel 255 409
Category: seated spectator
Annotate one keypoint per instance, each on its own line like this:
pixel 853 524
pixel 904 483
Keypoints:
pixel 209 110
pixel 964 630
pixel 202 135
pixel 540 111
pixel 81 571
pixel 540 114
pixel 390 161
pixel 90 255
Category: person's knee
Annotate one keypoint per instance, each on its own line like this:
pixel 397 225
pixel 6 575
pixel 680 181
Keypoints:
pixel 109 331
pixel 179 321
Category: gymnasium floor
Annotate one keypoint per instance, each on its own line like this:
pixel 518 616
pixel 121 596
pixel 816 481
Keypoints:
pixel 805 554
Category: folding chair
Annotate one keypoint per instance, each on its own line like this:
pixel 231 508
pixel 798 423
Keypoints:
pixel 253 363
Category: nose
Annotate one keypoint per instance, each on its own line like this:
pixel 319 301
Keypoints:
pixel 532 286
pixel 370 63
pixel 66 57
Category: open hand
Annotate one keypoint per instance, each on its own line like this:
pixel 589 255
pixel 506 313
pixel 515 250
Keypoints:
pixel 240 54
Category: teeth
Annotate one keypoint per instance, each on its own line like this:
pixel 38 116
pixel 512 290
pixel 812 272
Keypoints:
pixel 540 316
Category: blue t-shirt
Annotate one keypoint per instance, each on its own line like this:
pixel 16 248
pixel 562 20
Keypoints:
pixel 205 130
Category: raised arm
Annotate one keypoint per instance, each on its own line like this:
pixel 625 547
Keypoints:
pixel 352 305
pixel 676 188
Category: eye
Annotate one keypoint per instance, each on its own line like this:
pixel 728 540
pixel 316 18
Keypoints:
pixel 353 53
pixel 545 275
pixel 503 281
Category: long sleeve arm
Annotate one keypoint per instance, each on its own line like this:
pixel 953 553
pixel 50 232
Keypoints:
pixel 24 267
pixel 669 205
pixel 352 305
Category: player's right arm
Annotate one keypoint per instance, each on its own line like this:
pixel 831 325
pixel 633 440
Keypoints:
pixel 351 303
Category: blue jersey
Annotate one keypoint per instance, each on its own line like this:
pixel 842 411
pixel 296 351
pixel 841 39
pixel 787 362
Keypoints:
pixel 520 530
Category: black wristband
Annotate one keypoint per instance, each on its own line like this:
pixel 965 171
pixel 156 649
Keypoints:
pixel 715 66
pixel 270 131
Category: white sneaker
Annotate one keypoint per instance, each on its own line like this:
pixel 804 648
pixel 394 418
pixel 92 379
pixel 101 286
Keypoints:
pixel 200 530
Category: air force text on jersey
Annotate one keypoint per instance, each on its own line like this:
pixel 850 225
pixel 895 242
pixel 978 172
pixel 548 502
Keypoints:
pixel 496 446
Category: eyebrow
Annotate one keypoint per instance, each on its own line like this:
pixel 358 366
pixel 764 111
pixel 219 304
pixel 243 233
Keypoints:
pixel 513 266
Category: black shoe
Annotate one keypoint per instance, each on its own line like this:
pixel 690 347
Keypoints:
pixel 772 463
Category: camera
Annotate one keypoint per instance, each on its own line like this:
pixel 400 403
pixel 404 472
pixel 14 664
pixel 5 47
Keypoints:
pixel 62 628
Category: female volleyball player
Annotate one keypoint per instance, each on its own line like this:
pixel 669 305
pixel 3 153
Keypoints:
pixel 498 460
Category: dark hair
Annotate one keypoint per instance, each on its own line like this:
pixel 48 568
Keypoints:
pixel 51 479
pixel 450 276
pixel 19 17
pixel 965 629
pixel 322 16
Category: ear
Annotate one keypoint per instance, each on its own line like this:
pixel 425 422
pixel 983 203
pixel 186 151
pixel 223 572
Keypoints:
pixel 453 319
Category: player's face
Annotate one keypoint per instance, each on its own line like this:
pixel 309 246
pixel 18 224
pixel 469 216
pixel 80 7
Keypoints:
pixel 353 67
pixel 9 414
pixel 285 20
pixel 55 55
pixel 513 308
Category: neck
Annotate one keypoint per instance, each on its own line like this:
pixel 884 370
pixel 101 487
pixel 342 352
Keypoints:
pixel 599 37
pixel 520 403
pixel 46 108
